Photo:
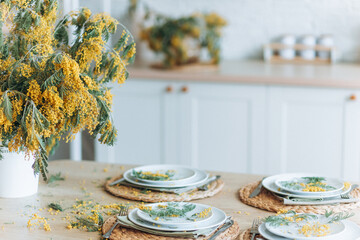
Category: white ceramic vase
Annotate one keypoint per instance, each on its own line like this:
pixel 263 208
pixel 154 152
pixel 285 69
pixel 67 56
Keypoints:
pixel 17 178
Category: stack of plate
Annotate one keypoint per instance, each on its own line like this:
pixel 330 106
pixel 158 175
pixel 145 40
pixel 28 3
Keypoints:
pixel 176 219
pixel 344 230
pixel 165 178
pixel 296 186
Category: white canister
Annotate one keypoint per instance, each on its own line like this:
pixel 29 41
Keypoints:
pixel 288 40
pixel 287 53
pixel 325 40
pixel 307 54
pixel 307 41
pixel 17 178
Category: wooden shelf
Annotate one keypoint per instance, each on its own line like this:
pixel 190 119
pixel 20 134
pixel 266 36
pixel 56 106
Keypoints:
pixel 299 60
pixel 298 47
pixel 271 54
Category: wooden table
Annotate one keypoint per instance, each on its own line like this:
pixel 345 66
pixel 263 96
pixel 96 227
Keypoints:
pixel 84 179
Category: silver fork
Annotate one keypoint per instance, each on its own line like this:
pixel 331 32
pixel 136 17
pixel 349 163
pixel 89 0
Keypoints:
pixel 254 228
pixel 123 212
pixel 347 195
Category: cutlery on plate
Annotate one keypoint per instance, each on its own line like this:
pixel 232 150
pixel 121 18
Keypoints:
pixel 319 202
pixel 117 181
pixel 255 228
pixel 123 212
pixel 295 199
pixel 201 187
pixel 343 198
pixel 229 222
pixel 257 190
pixel 204 187
pixel 347 195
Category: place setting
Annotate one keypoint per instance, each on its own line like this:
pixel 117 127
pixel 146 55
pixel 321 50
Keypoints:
pixel 159 183
pixel 171 220
pixel 302 192
pixel 290 225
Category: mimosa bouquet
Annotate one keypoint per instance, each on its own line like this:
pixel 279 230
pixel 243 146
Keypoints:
pixel 52 83
pixel 174 37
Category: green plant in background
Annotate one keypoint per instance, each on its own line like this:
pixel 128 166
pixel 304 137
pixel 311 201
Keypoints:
pixel 170 36
pixel 214 24
pixel 133 5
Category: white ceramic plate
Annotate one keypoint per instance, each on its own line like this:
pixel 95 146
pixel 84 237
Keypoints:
pixel 181 174
pixel 188 219
pixel 200 177
pixel 292 230
pixel 352 231
pixel 218 218
pixel 337 184
pixel 268 235
pixel 269 184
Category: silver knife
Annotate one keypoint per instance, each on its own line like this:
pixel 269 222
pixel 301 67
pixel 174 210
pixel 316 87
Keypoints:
pixel 319 202
pixel 257 190
pixel 205 185
pixel 117 181
pixel 223 228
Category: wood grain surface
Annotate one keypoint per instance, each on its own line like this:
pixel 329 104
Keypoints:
pixel 84 181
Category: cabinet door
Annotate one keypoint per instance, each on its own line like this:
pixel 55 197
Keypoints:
pixel 313 130
pixel 140 109
pixel 223 127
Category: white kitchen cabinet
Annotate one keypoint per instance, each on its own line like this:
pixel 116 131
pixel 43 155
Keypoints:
pixel 213 125
pixel 313 130
pixel 236 127
pixel 139 109
pixel 222 127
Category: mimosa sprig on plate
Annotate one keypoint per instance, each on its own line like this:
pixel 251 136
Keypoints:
pixel 291 224
pixel 176 210
pixel 170 210
pixel 287 217
pixel 336 217
pixel 154 176
pixel 308 184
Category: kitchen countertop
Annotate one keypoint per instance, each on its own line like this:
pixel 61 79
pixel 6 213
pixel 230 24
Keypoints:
pixel 258 72
pixel 82 182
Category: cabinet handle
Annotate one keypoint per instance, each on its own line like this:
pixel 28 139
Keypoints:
pixel 185 89
pixel 169 89
pixel 352 97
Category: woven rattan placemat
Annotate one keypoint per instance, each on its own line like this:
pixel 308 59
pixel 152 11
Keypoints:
pixel 245 235
pixel 121 233
pixel 153 196
pixel 267 201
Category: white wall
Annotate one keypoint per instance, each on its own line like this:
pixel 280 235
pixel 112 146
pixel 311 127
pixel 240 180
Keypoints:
pixel 253 23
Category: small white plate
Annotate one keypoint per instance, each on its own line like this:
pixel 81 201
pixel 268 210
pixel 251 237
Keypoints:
pixel 200 177
pixel 218 218
pixel 188 219
pixel 337 184
pixel 292 229
pixel 181 174
pixel 269 184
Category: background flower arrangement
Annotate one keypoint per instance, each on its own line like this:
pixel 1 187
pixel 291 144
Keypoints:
pixel 51 86
pixel 170 37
